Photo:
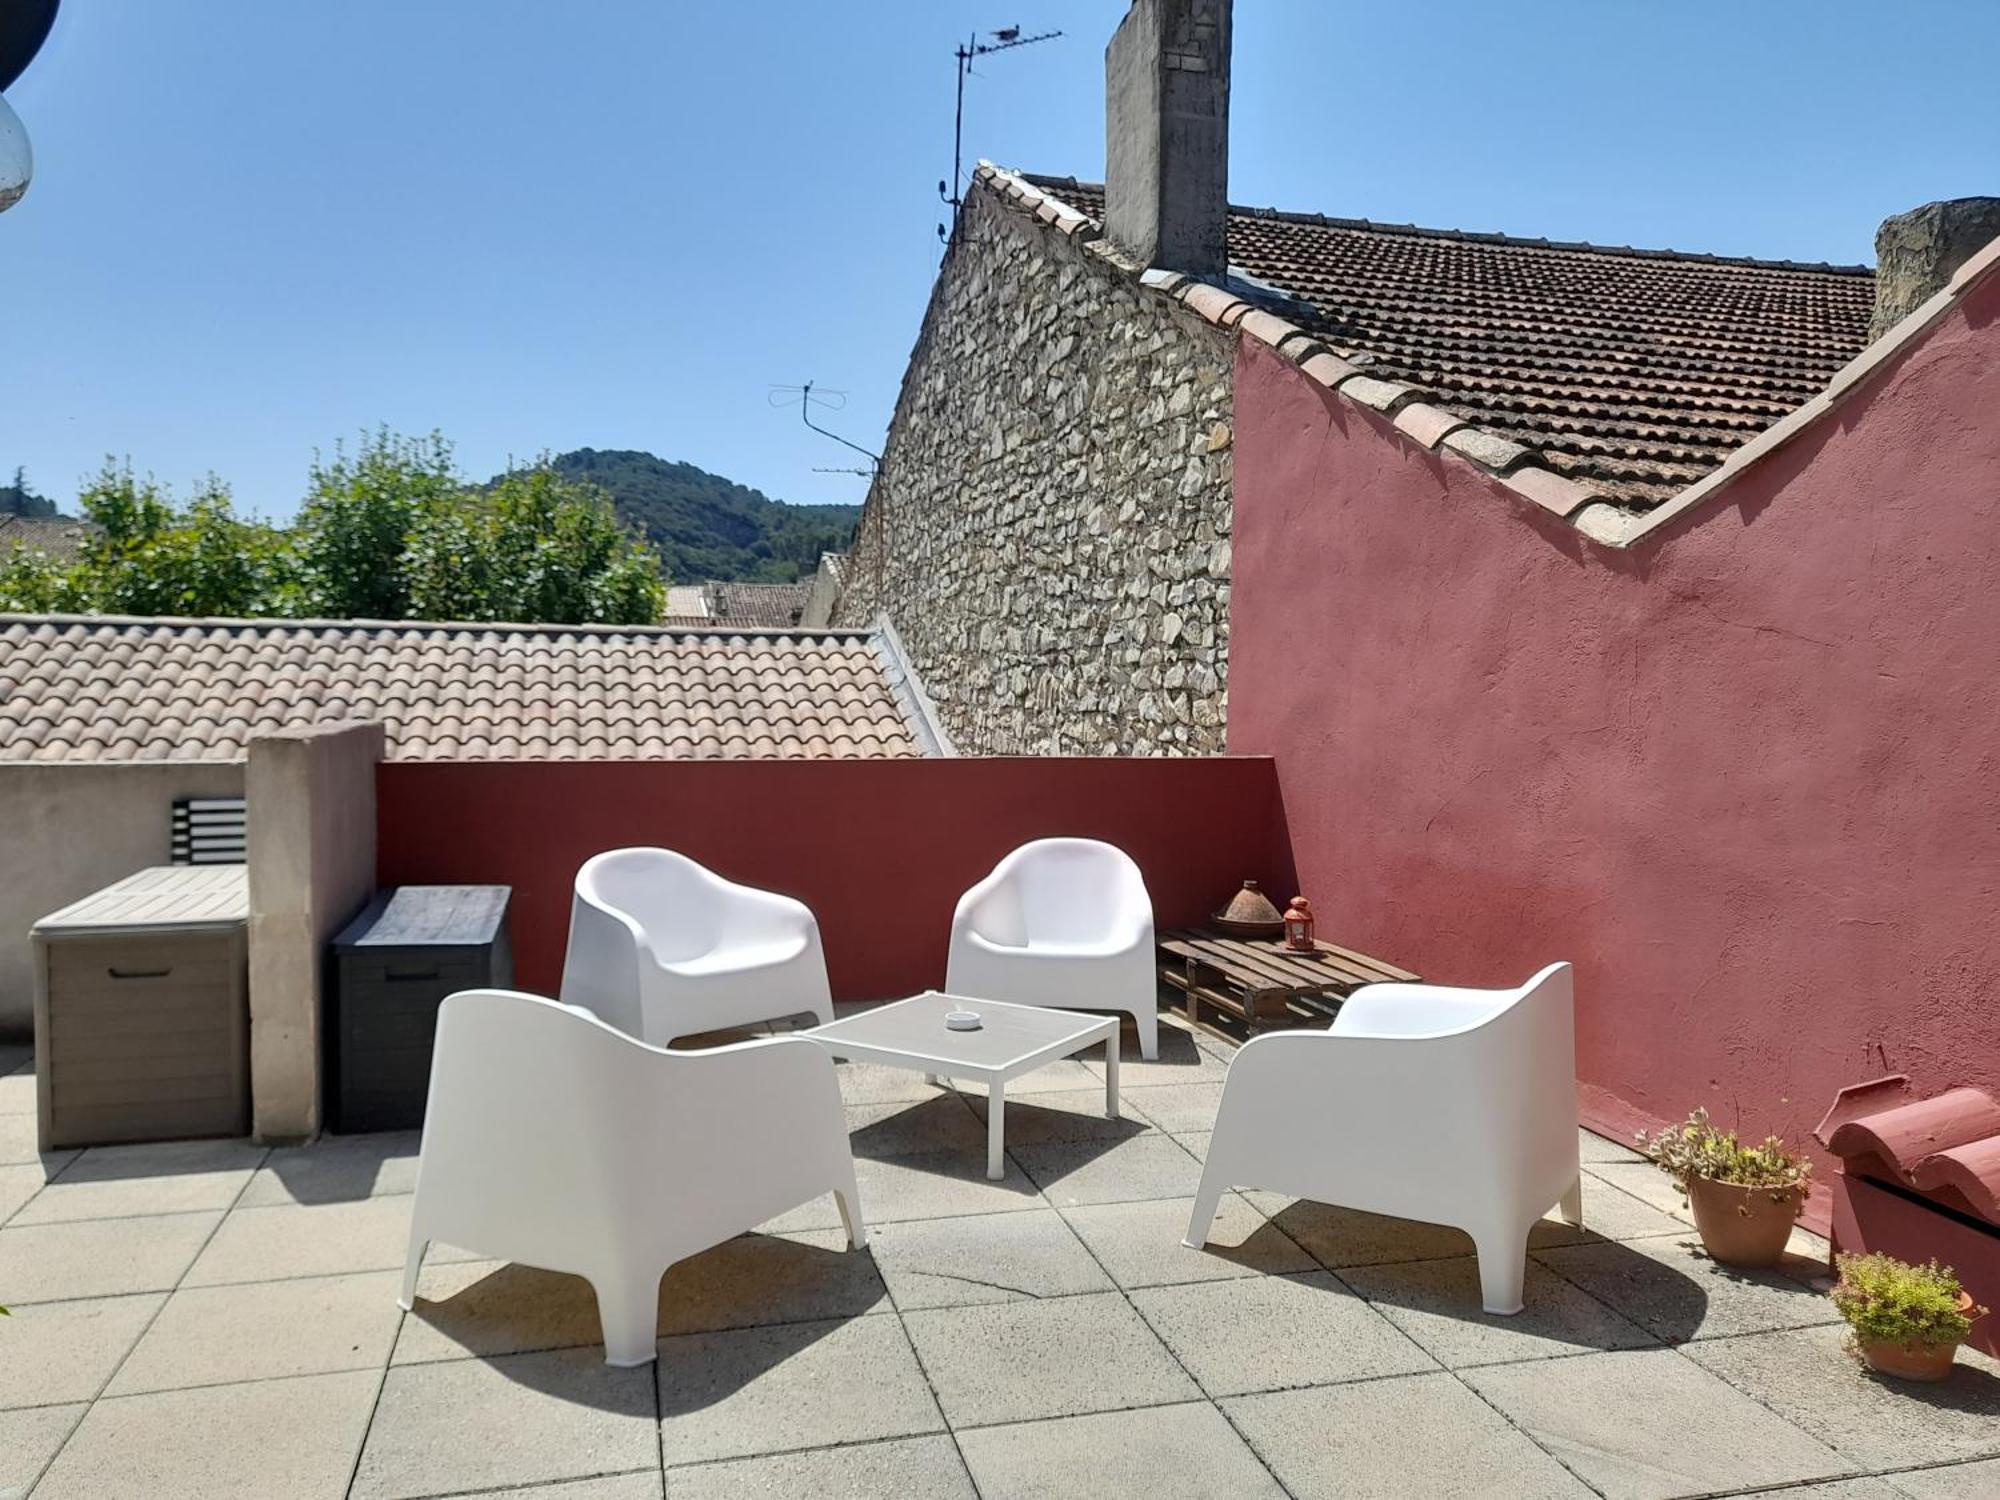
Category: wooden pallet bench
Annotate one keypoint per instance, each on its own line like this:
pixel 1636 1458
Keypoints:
pixel 1260 981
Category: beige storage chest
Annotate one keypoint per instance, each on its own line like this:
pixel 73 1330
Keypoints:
pixel 142 1021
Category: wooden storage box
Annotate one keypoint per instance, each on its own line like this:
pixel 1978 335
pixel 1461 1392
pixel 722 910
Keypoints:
pixel 393 965
pixel 142 1018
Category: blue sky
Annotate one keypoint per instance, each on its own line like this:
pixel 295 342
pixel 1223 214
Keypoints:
pixel 260 225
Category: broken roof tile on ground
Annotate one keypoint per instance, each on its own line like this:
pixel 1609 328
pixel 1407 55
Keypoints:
pixel 1634 372
pixel 105 688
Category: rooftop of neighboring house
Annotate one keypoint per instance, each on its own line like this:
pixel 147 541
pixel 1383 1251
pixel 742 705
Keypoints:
pixel 1635 372
pixel 60 537
pixel 105 688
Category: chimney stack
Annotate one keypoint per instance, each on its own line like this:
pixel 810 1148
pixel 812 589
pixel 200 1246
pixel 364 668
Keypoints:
pixel 1917 252
pixel 1166 135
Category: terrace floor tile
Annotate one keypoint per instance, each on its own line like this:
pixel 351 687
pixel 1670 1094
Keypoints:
pixel 944 1122
pixel 1277 1332
pixel 110 1182
pixel 1643 1181
pixel 17 1092
pixel 320 1239
pixel 793 1385
pixel 1340 1237
pixel 53 1352
pixel 1018 1361
pixel 295 1438
pixel 921 1468
pixel 1061 1115
pixel 986 1258
pixel 1673 1290
pixel 1807 1377
pixel 1144 1166
pixel 1979 1480
pixel 100 1257
pixel 1437 1303
pixel 1649 1425
pixel 769 1278
pixel 18 1146
pixel 1612 1213
pixel 642 1484
pixel 1140 1243
pixel 18 1184
pixel 1180 1061
pixel 29 1439
pixel 338 1169
pixel 520 1419
pixel 1180 1108
pixel 226 1334
pixel 1161 1452
pixel 1389 1439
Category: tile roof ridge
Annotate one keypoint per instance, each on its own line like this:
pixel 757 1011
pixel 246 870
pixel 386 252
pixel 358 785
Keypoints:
pixel 1488 237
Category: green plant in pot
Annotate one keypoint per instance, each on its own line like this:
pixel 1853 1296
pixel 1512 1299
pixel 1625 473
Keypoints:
pixel 1905 1320
pixel 1745 1198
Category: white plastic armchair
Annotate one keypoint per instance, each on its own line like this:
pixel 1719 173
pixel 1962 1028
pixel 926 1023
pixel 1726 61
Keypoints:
pixel 554 1140
pixel 663 947
pixel 1452 1106
pixel 1064 923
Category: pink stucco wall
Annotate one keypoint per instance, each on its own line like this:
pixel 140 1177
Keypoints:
pixel 1746 777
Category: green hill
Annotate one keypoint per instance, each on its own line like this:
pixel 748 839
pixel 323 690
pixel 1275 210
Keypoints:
pixel 17 499
pixel 707 527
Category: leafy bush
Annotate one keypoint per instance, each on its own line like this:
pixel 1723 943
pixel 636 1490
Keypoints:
pixel 1892 1301
pixel 1695 1148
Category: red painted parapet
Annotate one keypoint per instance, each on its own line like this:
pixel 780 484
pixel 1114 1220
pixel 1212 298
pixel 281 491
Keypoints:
pixel 1937 1161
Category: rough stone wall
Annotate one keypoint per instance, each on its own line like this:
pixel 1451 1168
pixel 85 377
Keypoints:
pixel 1049 532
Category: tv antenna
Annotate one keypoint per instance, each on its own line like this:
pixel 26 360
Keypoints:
pixel 1004 40
pixel 808 398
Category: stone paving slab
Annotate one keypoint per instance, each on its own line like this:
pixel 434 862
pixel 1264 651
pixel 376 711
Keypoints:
pixel 1140 1243
pixel 1146 1166
pixel 17 1093
pixel 295 1438
pixel 767 1278
pixel 986 1258
pixel 1648 1425
pixel 109 1182
pixel 1675 1292
pixel 339 1169
pixel 321 1239
pixel 1277 1332
pixel 1018 1361
pixel 29 1439
pixel 18 1184
pixel 100 1257
pixel 645 1485
pixel 1160 1452
pixel 1392 1439
pixel 56 1352
pixel 1806 1377
pixel 1437 1303
pixel 920 1468
pixel 929 1185
pixel 17 1145
pixel 790 1386
pixel 1063 1115
pixel 520 1419
pixel 265 1331
pixel 1179 1108
pixel 1979 1480
pixel 944 1122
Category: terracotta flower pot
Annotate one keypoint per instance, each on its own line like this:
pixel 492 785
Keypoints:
pixel 1743 1226
pixel 1912 1361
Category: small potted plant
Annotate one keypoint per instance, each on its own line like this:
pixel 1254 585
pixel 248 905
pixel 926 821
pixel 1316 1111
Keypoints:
pixel 1745 1198
pixel 1905 1320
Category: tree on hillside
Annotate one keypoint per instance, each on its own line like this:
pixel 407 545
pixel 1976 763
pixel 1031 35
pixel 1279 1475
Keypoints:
pixel 392 533
pixel 17 499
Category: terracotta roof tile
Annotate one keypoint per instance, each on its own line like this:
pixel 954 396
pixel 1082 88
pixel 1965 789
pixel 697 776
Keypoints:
pixel 150 689
pixel 1634 373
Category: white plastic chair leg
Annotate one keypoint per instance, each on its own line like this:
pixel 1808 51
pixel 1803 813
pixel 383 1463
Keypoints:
pixel 412 1264
pixel 1503 1269
pixel 848 1200
pixel 628 1308
pixel 1570 1206
pixel 1207 1199
pixel 1149 1033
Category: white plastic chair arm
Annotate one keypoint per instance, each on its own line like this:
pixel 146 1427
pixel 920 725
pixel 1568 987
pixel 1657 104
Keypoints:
pixel 754 916
pixel 1415 1011
pixel 990 915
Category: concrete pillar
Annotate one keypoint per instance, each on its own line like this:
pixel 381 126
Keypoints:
pixel 311 797
pixel 1166 135
pixel 1917 252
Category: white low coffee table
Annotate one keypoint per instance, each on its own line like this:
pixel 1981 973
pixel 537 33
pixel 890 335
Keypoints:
pixel 1013 1040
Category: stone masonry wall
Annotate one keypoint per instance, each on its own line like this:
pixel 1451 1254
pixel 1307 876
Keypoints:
pixel 1049 533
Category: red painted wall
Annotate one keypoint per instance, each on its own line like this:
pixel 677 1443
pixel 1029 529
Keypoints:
pixel 1746 778
pixel 880 850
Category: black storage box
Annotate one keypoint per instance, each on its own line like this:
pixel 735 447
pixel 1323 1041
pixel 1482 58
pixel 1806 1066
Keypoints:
pixel 393 965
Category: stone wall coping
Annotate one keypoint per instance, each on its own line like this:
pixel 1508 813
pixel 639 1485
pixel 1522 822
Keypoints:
pixel 1522 472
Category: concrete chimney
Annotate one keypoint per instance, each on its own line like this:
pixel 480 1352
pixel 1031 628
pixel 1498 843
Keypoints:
pixel 1917 252
pixel 1166 135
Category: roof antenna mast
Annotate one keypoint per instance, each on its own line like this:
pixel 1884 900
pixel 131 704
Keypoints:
pixel 781 395
pixel 1003 40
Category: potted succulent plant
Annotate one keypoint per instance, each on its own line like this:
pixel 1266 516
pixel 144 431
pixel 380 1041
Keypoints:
pixel 1744 1198
pixel 1905 1320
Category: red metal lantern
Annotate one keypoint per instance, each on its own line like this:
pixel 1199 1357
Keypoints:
pixel 1299 926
